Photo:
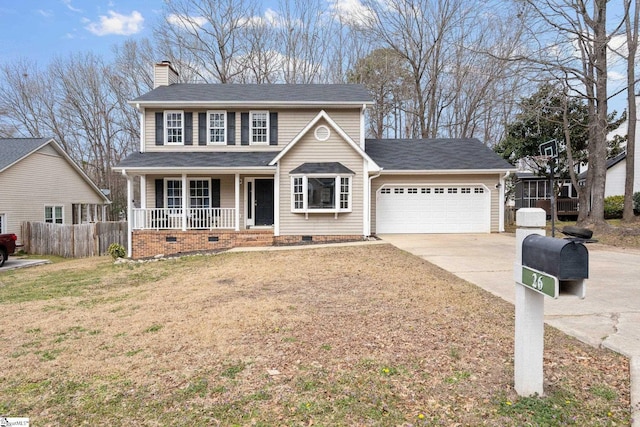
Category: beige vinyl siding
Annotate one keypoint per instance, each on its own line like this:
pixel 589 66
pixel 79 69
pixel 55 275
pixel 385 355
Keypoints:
pixel 290 123
pixel 489 181
pixel 43 178
pixel 308 149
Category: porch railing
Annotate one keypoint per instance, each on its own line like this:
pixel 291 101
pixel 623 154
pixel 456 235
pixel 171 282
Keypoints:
pixel 172 218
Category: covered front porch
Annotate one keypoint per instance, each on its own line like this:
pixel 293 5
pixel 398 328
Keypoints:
pixel 203 202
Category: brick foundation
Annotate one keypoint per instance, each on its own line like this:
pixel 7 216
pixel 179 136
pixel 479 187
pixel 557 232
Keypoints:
pixel 149 243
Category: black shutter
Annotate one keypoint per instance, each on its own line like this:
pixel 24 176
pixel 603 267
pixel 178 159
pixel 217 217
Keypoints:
pixel 159 193
pixel 160 128
pixel 231 128
pixel 188 128
pixel 202 128
pixel 273 128
pixel 244 128
pixel 215 193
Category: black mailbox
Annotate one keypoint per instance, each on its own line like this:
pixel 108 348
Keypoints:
pixel 565 259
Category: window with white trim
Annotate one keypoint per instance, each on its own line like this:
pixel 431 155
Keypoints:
pixel 174 127
pixel 385 191
pixel 259 127
pixel 465 190
pixel 174 193
pixel 478 190
pixel 54 214
pixel 199 195
pixel 298 194
pixel 216 125
pixel 452 190
pixel 438 190
pixel 321 193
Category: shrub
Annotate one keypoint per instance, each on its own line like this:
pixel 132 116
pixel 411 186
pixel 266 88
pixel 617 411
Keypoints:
pixel 613 207
pixel 116 250
pixel 636 202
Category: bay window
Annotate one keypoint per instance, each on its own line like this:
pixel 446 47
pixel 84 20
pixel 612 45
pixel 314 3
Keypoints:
pixel 318 193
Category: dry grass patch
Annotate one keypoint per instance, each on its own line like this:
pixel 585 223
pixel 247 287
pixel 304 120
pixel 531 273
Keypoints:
pixel 336 336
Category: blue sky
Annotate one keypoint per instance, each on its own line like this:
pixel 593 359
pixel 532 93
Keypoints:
pixel 41 29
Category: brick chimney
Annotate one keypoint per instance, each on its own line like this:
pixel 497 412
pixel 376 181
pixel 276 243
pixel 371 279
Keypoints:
pixel 164 74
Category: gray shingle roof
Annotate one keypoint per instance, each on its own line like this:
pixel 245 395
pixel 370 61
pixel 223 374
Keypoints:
pixel 14 149
pixel 327 167
pixel 250 93
pixel 434 154
pixel 238 159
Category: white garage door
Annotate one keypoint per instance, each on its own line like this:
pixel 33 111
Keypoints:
pixel 433 209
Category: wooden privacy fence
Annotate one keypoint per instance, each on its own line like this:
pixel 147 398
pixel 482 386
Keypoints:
pixel 72 241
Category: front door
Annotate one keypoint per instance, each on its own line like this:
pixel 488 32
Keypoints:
pixel 262 202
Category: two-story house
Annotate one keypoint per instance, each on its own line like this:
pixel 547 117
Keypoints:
pixel 224 165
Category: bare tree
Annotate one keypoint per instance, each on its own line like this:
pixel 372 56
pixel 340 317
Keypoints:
pixel 386 76
pixel 632 7
pixel 569 41
pixel 206 38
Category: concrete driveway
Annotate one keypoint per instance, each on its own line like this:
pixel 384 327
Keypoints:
pixel 16 262
pixel 608 316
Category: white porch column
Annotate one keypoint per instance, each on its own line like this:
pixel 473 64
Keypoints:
pixel 185 199
pixel 129 213
pixel 143 192
pixel 237 193
pixel 104 212
pixel 276 201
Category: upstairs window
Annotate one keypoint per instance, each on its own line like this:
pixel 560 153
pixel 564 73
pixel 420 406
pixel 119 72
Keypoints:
pixel 217 124
pixel 259 127
pixel 174 127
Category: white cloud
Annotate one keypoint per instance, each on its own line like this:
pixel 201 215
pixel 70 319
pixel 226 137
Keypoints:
pixel 70 6
pixel 186 21
pixel 45 13
pixel 351 11
pixel 117 23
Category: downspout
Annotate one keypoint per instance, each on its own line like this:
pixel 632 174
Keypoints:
pixel 371 178
pixel 129 213
pixel 141 113
pixel 362 135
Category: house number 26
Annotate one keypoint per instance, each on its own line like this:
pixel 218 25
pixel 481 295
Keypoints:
pixel 537 281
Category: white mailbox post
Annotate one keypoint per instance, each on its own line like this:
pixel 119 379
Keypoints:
pixel 545 266
pixel 529 339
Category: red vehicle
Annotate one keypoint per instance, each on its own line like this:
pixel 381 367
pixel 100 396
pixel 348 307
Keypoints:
pixel 7 246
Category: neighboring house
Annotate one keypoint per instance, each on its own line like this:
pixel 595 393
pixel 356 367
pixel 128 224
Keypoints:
pixel 231 165
pixel 617 166
pixel 617 174
pixel 534 191
pixel 39 182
